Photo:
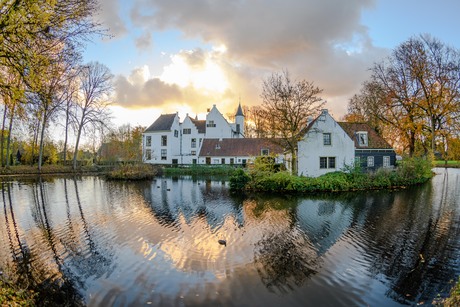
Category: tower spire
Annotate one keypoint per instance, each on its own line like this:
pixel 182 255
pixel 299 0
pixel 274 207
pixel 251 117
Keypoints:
pixel 239 111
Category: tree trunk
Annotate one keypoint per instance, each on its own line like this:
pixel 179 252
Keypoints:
pixel 433 136
pixel 42 145
pixel 2 137
pixel 8 140
pixel 80 127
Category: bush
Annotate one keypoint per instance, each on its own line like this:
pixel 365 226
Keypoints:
pixel 238 180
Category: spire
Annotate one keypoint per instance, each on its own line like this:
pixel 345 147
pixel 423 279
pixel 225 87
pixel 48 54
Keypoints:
pixel 239 112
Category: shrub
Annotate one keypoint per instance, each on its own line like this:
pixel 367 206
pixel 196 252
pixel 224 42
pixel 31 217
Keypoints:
pixel 238 180
pixel 132 172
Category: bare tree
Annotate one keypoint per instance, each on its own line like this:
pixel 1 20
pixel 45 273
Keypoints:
pixel 420 83
pixel 92 104
pixel 287 105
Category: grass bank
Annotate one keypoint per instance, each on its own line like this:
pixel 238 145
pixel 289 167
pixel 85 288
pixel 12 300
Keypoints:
pixel 442 163
pixel 227 170
pixel 262 179
pixel 11 295
pixel 25 170
pixel 454 299
pixel 133 172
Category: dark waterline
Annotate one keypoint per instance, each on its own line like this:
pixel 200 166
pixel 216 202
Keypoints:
pixel 113 243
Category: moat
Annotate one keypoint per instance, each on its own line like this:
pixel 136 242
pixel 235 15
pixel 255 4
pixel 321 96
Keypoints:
pixel 156 242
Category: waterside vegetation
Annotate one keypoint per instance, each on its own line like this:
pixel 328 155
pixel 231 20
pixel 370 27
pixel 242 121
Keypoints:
pixel 263 178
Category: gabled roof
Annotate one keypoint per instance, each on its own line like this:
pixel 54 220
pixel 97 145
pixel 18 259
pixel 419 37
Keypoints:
pixel 163 123
pixel 375 141
pixel 238 147
pixel 199 124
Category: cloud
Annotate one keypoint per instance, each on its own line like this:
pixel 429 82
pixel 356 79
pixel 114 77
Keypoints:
pixel 320 41
pixel 111 19
pixel 144 41
pixel 138 91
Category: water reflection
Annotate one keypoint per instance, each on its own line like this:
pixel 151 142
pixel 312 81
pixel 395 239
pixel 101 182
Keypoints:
pixel 156 242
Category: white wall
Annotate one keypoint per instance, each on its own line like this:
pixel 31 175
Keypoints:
pixel 221 130
pixel 187 150
pixel 311 148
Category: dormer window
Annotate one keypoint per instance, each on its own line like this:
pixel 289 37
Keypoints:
pixel 211 124
pixel 362 138
pixel 217 146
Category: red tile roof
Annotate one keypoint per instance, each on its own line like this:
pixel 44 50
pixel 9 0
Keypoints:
pixel 247 147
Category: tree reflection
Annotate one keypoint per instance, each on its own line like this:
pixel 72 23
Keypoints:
pixel 284 257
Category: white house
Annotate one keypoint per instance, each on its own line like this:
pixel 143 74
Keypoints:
pixel 326 147
pixel 169 141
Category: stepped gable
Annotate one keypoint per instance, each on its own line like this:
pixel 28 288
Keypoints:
pixel 163 123
pixel 199 124
pixel 375 141
pixel 238 147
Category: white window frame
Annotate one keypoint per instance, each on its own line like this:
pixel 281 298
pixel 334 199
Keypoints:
pixel 370 161
pixel 386 161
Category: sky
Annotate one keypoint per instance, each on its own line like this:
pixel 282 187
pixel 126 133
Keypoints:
pixel 185 56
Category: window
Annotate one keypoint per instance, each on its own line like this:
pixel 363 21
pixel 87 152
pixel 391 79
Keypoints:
pixel 164 140
pixel 223 161
pixel 322 162
pixel 362 138
pixel 217 146
pixel 193 152
pixel 193 141
pixel 238 128
pixel 148 141
pixel 386 161
pixel 187 131
pixel 331 162
pixel 210 124
pixel 215 161
pixel 148 154
pixel 176 133
pixel 265 152
pixel 194 161
pixel 326 139
pixel 164 154
pixel 370 161
pixel 232 161
pixel 326 162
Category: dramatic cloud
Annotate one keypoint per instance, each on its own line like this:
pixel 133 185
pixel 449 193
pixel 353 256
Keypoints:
pixel 320 41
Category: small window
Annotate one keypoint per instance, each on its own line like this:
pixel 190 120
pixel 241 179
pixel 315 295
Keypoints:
pixel 210 124
pixel 164 140
pixel 326 139
pixel 223 161
pixel 331 162
pixel 148 141
pixel 164 154
pixel 370 161
pixel 386 161
pixel 215 161
pixel 193 143
pixel 194 161
pixel 187 131
pixel 217 146
pixel 322 162
pixel 238 128
pixel 326 162
pixel 362 138
pixel 176 133
pixel 148 154
pixel 232 161
pixel 193 152
pixel 265 152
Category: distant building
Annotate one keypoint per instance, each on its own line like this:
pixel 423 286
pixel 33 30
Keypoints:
pixel 326 145
pixel 169 141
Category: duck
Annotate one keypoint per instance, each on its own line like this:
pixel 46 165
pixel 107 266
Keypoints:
pixel 222 242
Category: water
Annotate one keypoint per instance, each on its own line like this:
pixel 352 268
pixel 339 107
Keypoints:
pixel 101 243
